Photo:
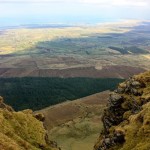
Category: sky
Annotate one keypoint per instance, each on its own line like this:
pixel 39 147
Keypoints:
pixel 15 12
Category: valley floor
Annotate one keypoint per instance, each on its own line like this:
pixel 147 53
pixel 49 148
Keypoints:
pixel 117 50
pixel 75 125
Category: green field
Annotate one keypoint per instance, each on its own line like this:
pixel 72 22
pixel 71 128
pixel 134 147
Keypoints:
pixel 97 40
pixel 115 44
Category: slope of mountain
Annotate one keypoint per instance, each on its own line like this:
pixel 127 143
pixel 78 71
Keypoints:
pixel 126 121
pixel 22 131
pixel 74 124
pixel 116 71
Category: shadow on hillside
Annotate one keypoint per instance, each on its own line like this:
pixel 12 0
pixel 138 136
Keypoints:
pixel 94 44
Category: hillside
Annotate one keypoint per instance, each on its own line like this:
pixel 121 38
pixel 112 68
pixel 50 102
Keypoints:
pixel 126 120
pixel 22 131
pixel 74 125
pixel 116 71
pixel 124 123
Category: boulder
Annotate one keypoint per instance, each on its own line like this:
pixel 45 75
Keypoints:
pixel 115 100
pixel 136 84
pixel 39 117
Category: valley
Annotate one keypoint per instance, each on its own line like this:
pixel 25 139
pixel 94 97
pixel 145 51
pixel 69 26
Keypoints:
pixel 74 74
pixel 53 70
pixel 75 125
pixel 118 50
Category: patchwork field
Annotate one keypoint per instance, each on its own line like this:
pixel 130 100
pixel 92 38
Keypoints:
pixel 118 49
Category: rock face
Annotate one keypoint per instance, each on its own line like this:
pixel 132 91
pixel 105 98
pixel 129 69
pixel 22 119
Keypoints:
pixel 22 130
pixel 126 120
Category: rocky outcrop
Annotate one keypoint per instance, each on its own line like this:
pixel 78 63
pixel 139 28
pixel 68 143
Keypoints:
pixel 39 116
pixel 23 130
pixel 127 117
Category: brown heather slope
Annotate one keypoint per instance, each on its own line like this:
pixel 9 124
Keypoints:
pixel 22 131
pixel 126 120
pixel 116 71
pixel 74 124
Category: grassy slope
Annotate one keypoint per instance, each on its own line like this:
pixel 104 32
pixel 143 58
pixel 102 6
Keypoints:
pixel 135 126
pixel 75 124
pixel 21 131
pixel 138 129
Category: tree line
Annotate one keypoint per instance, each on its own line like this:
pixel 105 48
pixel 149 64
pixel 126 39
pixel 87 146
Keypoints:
pixel 37 92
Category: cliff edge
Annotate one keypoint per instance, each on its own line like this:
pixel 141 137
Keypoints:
pixel 126 121
pixel 22 130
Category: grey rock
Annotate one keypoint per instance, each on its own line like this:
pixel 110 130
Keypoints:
pixel 120 90
pixel 115 99
pixel 136 84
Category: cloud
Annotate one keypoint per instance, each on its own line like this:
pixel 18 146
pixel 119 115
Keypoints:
pixel 130 3
pixel 139 3
pixel 118 2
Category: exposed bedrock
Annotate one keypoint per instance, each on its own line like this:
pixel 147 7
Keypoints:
pixel 127 105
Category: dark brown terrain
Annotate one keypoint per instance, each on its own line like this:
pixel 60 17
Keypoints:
pixel 106 72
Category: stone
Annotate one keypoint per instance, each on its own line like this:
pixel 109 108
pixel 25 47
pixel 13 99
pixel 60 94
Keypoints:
pixel 136 84
pixel 119 137
pixel 123 85
pixel 39 117
pixel 135 92
pixel 115 99
pixel 120 90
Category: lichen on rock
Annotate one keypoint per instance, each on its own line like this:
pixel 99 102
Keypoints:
pixel 127 117
pixel 22 131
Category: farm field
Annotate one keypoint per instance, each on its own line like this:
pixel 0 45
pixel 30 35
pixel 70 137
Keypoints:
pixel 107 50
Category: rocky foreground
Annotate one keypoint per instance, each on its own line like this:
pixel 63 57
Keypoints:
pixel 22 130
pixel 126 120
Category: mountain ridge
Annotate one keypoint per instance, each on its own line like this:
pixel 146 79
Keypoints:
pixel 126 120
